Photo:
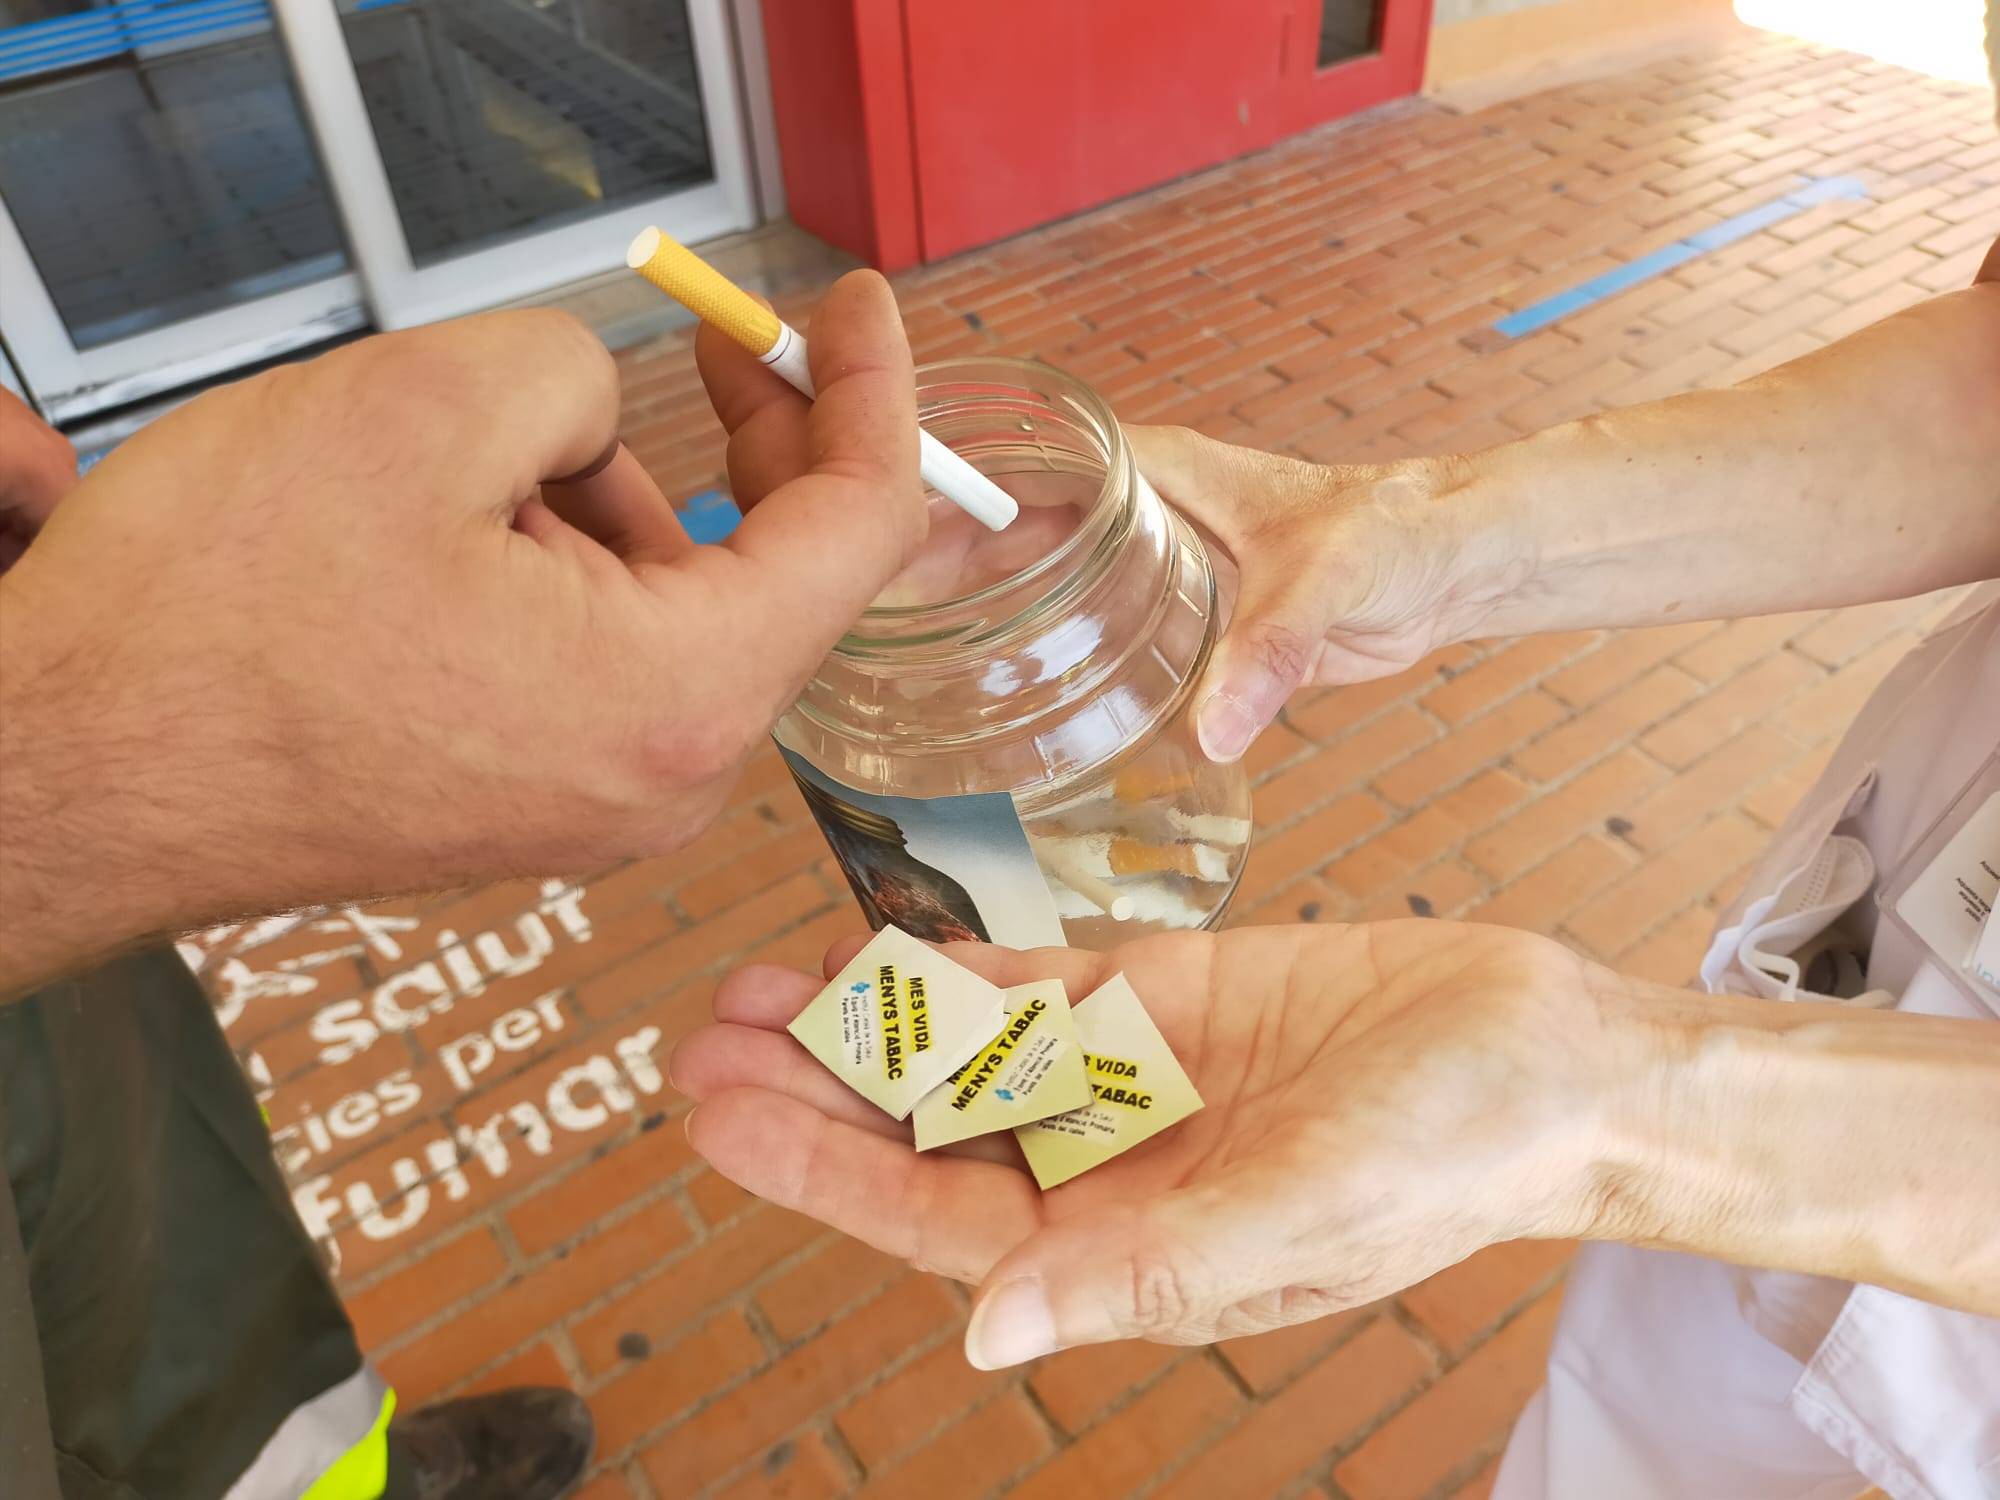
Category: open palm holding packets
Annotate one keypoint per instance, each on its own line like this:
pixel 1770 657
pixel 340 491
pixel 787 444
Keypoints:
pixel 1380 1102
pixel 925 1039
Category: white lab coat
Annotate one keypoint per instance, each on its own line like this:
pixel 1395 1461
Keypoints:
pixel 1675 1378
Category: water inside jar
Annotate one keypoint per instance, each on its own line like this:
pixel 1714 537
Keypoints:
pixel 1151 840
pixel 1155 844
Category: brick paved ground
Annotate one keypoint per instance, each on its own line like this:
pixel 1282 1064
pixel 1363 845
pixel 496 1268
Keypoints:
pixel 1334 298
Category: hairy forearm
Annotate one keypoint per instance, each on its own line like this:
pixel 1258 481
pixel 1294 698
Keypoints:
pixel 1858 1144
pixel 1868 470
pixel 98 769
pixel 67 825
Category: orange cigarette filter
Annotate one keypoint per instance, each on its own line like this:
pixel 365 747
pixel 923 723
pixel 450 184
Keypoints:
pixel 1145 783
pixel 1134 857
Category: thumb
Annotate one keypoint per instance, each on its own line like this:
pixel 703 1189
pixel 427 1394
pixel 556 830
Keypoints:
pixel 1169 1271
pixel 1279 626
pixel 1272 644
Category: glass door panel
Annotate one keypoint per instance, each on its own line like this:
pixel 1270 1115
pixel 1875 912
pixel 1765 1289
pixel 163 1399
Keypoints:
pixel 485 149
pixel 499 118
pixel 156 170
pixel 154 180
pixel 191 185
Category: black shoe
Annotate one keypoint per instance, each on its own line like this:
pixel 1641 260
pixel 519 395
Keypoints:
pixel 526 1444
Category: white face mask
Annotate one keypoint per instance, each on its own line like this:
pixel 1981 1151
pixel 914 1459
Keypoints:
pixel 1776 952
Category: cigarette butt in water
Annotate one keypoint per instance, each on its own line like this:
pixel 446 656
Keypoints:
pixel 1152 903
pixel 1196 861
pixel 1210 828
pixel 1144 783
pixel 715 299
pixel 1118 856
pixel 1061 863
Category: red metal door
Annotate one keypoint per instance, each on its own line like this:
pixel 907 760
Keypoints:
pixel 1342 56
pixel 1028 110
pixel 913 129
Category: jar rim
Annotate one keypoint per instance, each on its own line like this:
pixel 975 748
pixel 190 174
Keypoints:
pixel 1089 524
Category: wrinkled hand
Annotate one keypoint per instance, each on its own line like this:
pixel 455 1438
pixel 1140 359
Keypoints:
pixel 1381 1101
pixel 1347 572
pixel 405 616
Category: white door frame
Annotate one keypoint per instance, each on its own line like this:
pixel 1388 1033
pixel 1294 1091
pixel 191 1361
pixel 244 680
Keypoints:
pixel 384 281
pixel 759 111
pixel 400 292
pixel 69 382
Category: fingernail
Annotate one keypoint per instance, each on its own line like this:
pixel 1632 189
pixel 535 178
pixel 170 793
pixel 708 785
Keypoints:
pixel 687 1125
pixel 1011 1326
pixel 1225 726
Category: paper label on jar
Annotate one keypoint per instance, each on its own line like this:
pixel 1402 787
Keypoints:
pixel 899 1020
pixel 948 869
pixel 1137 1087
pixel 1031 1068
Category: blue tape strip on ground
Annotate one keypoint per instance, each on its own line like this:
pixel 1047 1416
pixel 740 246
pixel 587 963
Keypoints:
pixel 1551 309
pixel 710 516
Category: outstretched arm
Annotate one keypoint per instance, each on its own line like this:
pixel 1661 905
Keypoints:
pixel 1380 1102
pixel 1867 470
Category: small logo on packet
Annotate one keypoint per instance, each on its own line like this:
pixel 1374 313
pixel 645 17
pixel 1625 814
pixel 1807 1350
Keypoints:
pixel 1137 1089
pixel 1032 1066
pixel 898 1020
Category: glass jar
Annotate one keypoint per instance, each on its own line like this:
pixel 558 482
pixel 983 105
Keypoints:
pixel 1054 662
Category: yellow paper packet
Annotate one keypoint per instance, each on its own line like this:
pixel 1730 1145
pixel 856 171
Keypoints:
pixel 899 1020
pixel 1030 1069
pixel 1137 1086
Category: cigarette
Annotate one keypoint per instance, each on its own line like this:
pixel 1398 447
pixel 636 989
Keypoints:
pixel 1196 861
pixel 1107 898
pixel 1144 783
pixel 1211 828
pixel 1153 905
pixel 716 300
pixel 1118 856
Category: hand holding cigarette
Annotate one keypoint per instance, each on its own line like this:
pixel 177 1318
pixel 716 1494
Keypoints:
pixel 482 641
pixel 727 308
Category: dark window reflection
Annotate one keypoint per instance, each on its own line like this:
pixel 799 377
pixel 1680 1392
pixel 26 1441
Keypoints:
pixel 499 118
pixel 1346 29
pixel 156 162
